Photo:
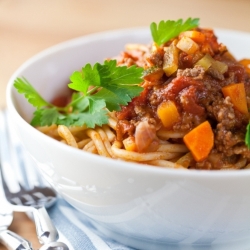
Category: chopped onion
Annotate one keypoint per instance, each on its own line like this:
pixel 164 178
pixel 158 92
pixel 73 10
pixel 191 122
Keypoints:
pixel 187 45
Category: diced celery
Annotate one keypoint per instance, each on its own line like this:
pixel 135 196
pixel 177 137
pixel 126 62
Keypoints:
pixel 205 62
pixel 170 59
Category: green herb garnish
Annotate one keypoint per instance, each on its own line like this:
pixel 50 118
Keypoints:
pixel 247 136
pixel 167 30
pixel 111 86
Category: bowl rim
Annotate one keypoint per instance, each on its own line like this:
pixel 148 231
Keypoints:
pixel 122 164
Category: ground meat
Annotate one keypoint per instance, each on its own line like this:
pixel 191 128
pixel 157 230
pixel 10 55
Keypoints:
pixel 242 150
pixel 124 127
pixel 188 121
pixel 139 110
pixel 223 111
pixel 225 140
pixel 197 72
pixel 216 161
pixel 226 136
pixel 216 74
pixel 156 58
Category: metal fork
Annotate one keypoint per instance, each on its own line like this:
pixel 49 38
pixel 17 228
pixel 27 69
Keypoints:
pixel 10 239
pixel 23 186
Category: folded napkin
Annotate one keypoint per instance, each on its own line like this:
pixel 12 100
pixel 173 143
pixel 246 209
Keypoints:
pixel 76 230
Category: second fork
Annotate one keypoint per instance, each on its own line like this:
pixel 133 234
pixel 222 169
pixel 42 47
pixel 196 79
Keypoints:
pixel 25 191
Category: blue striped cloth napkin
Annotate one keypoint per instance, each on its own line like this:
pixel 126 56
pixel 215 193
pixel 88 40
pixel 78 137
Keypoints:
pixel 76 230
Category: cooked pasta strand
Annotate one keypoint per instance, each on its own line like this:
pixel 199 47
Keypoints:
pixel 92 150
pixel 110 134
pixel 105 141
pixel 165 164
pixel 88 145
pixel 175 148
pixel 185 160
pixel 134 156
pixel 112 123
pixel 112 115
pixel 166 134
pixel 98 142
pixel 164 142
pixel 47 129
pixel 83 142
pixel 65 133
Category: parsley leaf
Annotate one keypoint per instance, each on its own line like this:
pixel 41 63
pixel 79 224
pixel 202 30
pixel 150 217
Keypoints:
pixel 33 97
pixel 167 30
pixel 87 77
pixel 247 136
pixel 99 88
pixel 119 75
pixel 122 81
pixel 90 120
pixel 45 117
pixel 95 105
pixel 112 101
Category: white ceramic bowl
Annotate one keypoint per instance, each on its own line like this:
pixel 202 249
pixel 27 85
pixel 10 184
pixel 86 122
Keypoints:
pixel 141 206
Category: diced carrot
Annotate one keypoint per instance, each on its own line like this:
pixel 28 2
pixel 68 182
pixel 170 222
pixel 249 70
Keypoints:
pixel 195 35
pixel 237 93
pixel 129 144
pixel 187 45
pixel 168 113
pixel 200 141
pixel 246 64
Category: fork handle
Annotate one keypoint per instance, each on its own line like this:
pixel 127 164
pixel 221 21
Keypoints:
pixel 46 231
pixel 13 241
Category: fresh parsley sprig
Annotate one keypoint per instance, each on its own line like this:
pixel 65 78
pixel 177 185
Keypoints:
pixel 99 88
pixel 166 30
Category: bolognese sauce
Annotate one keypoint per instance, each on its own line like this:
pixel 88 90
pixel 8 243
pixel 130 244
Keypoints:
pixel 188 72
